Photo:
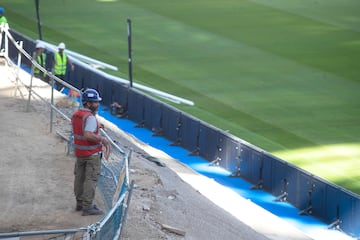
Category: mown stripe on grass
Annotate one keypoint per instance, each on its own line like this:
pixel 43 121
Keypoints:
pixel 231 117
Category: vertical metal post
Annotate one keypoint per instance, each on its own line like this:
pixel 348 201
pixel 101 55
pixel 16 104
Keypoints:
pixel 17 67
pixel 129 51
pixel 31 81
pixel 6 42
pixel 52 81
pixel 37 7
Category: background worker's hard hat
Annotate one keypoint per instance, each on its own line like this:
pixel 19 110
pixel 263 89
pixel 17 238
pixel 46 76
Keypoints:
pixel 2 10
pixel 61 45
pixel 40 45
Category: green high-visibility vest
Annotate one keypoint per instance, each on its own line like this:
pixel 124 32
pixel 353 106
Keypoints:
pixel 60 64
pixel 41 60
pixel 3 19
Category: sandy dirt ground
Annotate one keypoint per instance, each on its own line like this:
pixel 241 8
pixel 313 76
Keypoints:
pixel 36 183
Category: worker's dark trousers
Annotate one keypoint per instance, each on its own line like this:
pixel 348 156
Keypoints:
pixel 87 171
pixel 59 86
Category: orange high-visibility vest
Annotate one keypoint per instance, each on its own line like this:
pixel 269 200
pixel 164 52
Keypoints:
pixel 82 146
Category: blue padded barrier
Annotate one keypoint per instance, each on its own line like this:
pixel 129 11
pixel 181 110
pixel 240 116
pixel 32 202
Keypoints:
pixel 91 81
pixel 280 179
pixel 251 164
pixel 347 206
pixel 334 209
pixel 152 114
pixel 105 88
pixel 208 142
pixel 291 178
pixel 267 174
pixel 78 77
pixel 171 124
pixel 119 93
pixel 136 107
pixel 318 199
pixel 351 222
pixel 228 154
pixel 189 133
pixel 305 191
pixel 99 86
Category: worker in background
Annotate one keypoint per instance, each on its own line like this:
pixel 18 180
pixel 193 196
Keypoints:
pixel 3 19
pixel 40 58
pixel 3 25
pixel 60 64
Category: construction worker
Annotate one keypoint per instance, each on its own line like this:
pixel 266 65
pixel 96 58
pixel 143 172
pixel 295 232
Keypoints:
pixel 3 19
pixel 3 25
pixel 61 61
pixel 40 58
pixel 88 145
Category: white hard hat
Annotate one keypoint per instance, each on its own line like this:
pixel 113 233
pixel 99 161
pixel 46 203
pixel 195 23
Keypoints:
pixel 40 45
pixel 61 45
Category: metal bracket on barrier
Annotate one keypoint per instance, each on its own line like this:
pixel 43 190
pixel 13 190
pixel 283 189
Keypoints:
pixel 140 124
pixel 306 211
pixel 178 135
pixel 195 152
pixel 282 197
pixel 215 162
pixel 158 132
pixel 176 143
pixel 235 173
pixel 335 224
pixel 258 185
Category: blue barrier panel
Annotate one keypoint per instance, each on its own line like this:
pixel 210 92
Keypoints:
pixel 305 191
pixel 136 107
pixel 105 89
pixel 229 154
pixel 338 207
pixel 267 172
pixel 91 81
pixel 171 124
pixel 245 162
pixel 152 114
pixel 189 133
pixel 347 210
pixel 279 179
pixel 318 199
pixel 100 86
pixel 78 77
pixel 351 218
pixel 208 142
pixel 332 203
pixel 251 162
pixel 291 176
pixel 120 94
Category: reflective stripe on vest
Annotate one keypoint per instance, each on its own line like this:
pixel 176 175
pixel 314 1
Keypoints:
pixel 82 146
pixel 60 64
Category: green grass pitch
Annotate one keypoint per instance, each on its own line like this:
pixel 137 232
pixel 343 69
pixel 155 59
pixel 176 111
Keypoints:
pixel 282 75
